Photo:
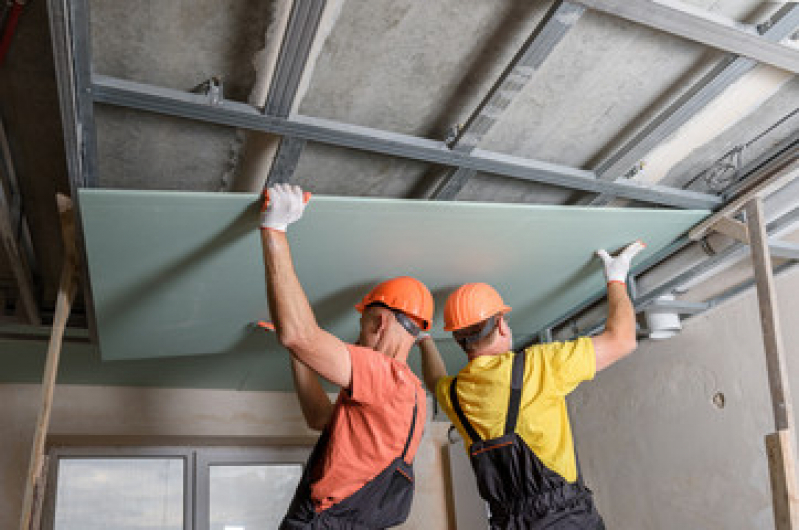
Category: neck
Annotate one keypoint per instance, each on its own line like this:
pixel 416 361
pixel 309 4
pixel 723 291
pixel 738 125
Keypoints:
pixel 391 347
pixel 482 353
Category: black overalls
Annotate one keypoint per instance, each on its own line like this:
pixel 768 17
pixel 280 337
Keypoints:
pixel 521 491
pixel 383 502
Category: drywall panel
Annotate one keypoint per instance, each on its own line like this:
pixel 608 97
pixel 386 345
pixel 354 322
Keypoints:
pixel 176 274
pixel 263 366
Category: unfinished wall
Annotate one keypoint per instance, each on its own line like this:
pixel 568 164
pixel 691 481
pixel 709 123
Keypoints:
pixel 657 450
pixel 119 411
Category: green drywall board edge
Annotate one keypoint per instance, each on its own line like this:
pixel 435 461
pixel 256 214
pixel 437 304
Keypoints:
pixel 22 361
pixel 181 274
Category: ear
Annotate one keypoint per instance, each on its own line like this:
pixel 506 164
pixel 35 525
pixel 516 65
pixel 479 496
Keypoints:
pixel 375 322
pixel 383 321
pixel 503 327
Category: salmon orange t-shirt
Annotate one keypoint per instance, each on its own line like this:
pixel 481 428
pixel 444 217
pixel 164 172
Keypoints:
pixel 370 425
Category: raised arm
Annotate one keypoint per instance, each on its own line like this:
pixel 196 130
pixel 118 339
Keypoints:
pixel 317 408
pixel 433 367
pixel 618 340
pixel 291 312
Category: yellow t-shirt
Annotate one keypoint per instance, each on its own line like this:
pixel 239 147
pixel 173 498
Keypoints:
pixel 551 372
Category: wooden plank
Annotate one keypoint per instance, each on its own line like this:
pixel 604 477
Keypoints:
pixel 782 175
pixel 732 228
pixel 769 317
pixel 66 294
pixel 781 466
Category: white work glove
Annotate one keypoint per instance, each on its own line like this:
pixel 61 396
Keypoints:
pixel 617 269
pixel 283 204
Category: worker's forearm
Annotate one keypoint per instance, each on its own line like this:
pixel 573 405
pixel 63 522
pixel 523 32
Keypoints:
pixel 433 367
pixel 288 305
pixel 621 314
pixel 316 406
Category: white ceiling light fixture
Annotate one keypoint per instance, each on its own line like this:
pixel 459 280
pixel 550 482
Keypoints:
pixel 662 324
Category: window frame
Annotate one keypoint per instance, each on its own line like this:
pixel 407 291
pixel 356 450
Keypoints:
pixel 236 456
pixel 196 470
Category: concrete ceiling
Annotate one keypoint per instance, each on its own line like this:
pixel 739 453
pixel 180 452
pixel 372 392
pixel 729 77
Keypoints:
pixel 412 67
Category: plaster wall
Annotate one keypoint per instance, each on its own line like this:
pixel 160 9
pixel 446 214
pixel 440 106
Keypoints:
pixel 657 450
pixel 104 412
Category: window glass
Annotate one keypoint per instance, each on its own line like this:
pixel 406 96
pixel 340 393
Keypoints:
pixel 251 497
pixel 119 493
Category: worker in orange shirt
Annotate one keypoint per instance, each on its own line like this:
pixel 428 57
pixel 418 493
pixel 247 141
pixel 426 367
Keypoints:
pixel 360 473
pixel 510 408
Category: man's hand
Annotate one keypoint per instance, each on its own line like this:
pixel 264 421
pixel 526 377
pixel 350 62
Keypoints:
pixel 617 269
pixel 283 204
pixel 618 338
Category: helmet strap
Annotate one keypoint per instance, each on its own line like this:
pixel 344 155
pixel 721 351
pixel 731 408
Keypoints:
pixel 485 330
pixel 404 320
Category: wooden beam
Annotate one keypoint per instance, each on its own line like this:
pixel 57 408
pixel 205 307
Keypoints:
pixel 769 318
pixel 783 174
pixel 781 449
pixel 732 228
pixel 699 25
pixel 66 294
pixel 781 465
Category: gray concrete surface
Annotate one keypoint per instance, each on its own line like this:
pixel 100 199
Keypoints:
pixel 657 450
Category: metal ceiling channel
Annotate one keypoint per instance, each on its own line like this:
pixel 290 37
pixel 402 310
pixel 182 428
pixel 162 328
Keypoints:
pixel 69 29
pixel 78 90
pixel 560 18
pixel 14 235
pixel 756 171
pixel 161 100
pixel 297 42
pixel 645 300
pixel 696 24
pixel 784 23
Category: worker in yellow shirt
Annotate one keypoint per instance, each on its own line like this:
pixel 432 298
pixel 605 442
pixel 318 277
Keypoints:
pixel 510 408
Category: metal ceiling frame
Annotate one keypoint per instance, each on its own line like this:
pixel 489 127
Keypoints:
pixel 14 235
pixel 69 30
pixel 690 22
pixel 298 39
pixel 171 102
pixel 80 89
pixel 757 172
pixel 782 24
pixel 560 18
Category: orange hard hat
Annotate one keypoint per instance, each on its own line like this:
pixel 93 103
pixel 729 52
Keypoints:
pixel 471 304
pixel 404 294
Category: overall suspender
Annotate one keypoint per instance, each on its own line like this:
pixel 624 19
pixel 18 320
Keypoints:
pixel 516 382
pixel 413 426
